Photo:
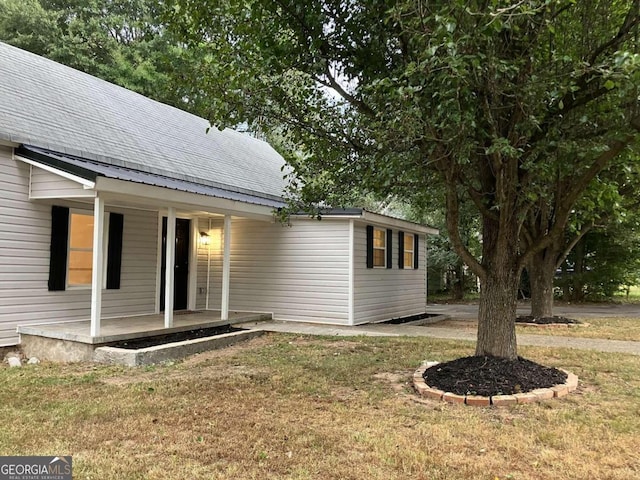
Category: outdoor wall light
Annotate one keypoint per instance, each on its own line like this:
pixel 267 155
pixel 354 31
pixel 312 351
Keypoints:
pixel 205 239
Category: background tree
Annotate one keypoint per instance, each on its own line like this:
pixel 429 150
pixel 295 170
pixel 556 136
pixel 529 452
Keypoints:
pixel 443 261
pixel 604 263
pixel 600 204
pixel 121 41
pixel 607 258
pixel 485 98
pixel 609 204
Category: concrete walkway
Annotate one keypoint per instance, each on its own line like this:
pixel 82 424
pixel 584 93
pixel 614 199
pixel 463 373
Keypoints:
pixel 468 334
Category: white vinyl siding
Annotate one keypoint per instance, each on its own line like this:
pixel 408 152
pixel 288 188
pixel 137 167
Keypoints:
pixel 49 185
pixel 214 249
pixel 382 294
pixel 25 237
pixel 297 273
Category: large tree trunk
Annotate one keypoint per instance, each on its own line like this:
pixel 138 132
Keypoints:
pixel 542 270
pixel 499 290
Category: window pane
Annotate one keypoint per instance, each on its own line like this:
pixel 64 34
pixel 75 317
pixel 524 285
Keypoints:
pixel 408 259
pixel 80 267
pixel 81 231
pixel 380 235
pixel 408 242
pixel 379 258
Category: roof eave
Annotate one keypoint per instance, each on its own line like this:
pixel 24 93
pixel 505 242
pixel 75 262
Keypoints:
pixel 75 170
pixel 374 219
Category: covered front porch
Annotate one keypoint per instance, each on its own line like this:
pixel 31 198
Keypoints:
pixel 119 273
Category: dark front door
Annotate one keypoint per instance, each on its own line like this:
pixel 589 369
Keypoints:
pixel 181 272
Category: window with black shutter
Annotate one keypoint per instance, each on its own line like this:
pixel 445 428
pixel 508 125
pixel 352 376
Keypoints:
pixel 71 251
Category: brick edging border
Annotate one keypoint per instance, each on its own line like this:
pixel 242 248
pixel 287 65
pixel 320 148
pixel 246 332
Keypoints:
pixel 536 395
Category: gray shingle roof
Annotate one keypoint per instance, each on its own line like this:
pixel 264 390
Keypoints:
pixel 49 105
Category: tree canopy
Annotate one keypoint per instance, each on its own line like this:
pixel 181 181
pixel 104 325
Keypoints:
pixel 515 108
pixel 507 104
pixel 121 41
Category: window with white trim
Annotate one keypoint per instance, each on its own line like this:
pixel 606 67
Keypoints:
pixel 409 244
pixel 80 255
pixel 379 248
pixel 71 249
pixel 80 260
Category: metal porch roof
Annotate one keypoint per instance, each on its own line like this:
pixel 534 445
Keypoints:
pixel 90 170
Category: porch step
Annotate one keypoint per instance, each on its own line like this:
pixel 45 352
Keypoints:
pixel 170 351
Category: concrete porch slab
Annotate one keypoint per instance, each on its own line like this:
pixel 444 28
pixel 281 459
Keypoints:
pixel 128 328
pixel 72 342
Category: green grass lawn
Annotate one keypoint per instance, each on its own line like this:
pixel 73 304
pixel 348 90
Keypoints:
pixel 610 328
pixel 295 407
pixel 634 295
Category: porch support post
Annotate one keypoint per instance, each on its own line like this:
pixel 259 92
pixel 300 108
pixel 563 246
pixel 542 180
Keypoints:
pixel 170 267
pixel 97 265
pixel 226 269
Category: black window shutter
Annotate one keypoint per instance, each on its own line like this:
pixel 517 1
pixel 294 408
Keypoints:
pixel 114 251
pixel 58 250
pixel 369 246
pixel 400 249
pixel 416 251
pixel 389 248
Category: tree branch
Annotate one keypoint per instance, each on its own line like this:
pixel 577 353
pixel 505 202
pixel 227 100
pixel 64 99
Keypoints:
pixel 572 244
pixel 565 205
pixel 476 198
pixel 631 20
pixel 332 83
pixel 453 222
pixel 570 100
pixel 580 184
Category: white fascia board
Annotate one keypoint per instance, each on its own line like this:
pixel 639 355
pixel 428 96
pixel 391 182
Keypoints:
pixel 161 197
pixel 87 184
pixel 378 220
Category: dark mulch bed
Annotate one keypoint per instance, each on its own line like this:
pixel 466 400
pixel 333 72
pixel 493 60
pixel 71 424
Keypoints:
pixel 156 340
pixel 547 320
pixel 489 376
pixel 411 318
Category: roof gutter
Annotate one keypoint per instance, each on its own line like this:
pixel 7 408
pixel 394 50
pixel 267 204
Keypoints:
pixel 79 174
pixel 375 219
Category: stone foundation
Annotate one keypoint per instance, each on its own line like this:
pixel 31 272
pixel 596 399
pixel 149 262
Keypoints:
pixel 55 349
